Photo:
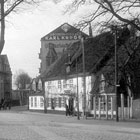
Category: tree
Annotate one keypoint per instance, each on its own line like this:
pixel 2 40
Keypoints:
pixel 22 79
pixel 102 16
pixel 106 11
pixel 7 7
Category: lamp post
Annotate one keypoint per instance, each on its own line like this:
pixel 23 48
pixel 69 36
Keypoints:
pixel 84 79
pixel 116 73
pixel 78 117
pixel 45 100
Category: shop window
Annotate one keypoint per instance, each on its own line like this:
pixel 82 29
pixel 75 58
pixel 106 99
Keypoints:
pixel 49 102
pixel 35 101
pixel 63 102
pixel 31 101
pixel 59 100
pixel 41 102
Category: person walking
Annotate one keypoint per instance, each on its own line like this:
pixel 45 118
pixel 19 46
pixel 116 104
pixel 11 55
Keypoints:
pixel 67 110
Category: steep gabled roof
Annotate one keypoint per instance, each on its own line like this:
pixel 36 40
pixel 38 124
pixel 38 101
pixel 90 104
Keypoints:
pixel 125 53
pixel 95 48
pixel 58 68
pixel 65 29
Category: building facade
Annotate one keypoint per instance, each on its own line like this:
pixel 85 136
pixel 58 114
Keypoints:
pixel 55 43
pixel 5 78
pixel 68 91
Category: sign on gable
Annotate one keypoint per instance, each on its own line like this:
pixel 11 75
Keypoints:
pixel 63 36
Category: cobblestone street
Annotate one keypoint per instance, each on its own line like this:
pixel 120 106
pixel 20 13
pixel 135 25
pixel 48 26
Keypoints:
pixel 25 125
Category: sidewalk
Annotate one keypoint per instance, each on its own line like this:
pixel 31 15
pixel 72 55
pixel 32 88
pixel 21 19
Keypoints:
pixel 70 119
pixel 19 108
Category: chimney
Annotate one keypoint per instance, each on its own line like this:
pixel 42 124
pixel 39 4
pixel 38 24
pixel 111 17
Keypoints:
pixel 90 30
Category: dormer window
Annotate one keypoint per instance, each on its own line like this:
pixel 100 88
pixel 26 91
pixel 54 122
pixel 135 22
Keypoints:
pixel 102 84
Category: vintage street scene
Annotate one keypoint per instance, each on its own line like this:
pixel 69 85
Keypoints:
pixel 69 69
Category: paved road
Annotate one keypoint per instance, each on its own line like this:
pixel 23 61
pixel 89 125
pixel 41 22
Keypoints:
pixel 24 125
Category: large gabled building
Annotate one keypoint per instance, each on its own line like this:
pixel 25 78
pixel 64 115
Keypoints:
pixel 61 80
pixel 56 42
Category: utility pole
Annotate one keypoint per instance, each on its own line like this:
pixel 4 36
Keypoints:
pixel 78 117
pixel 45 102
pixel 84 77
pixel 116 74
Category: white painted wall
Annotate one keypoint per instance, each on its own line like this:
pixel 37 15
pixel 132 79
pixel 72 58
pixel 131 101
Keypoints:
pixel 52 90
pixel 36 102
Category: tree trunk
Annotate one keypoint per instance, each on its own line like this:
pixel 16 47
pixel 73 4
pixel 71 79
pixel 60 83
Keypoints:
pixel 2 32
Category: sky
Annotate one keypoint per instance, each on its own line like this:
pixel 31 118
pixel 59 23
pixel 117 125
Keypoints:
pixel 25 29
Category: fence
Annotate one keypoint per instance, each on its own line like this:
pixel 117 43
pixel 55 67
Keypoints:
pixel 104 106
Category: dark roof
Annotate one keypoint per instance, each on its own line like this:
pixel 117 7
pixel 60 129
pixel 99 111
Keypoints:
pixel 95 48
pixel 58 68
pixel 106 64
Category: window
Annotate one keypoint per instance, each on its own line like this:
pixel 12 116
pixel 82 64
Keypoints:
pixel 64 84
pixel 31 101
pixel 49 102
pixel 102 83
pixel 102 86
pixel 63 100
pixel 35 101
pixel 57 102
pixel 49 83
pixel 59 84
pixel 71 83
pixel 41 102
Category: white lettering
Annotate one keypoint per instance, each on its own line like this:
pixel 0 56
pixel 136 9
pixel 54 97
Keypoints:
pixel 63 37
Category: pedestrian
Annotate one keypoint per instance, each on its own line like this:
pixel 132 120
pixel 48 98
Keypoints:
pixel 67 110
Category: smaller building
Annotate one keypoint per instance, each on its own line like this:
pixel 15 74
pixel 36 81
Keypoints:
pixel 60 92
pixel 36 102
pixel 36 95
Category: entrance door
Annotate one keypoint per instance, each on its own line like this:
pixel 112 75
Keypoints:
pixel 71 105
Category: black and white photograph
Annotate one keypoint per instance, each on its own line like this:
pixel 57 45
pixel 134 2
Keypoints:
pixel 69 69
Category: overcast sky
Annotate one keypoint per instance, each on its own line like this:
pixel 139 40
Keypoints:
pixel 24 31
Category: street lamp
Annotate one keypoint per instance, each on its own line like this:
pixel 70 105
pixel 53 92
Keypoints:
pixel 116 73
pixel 78 117
pixel 84 77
